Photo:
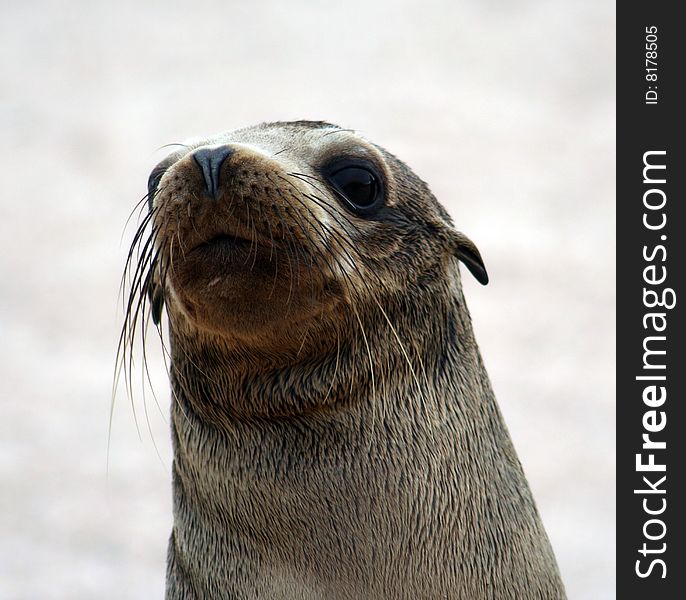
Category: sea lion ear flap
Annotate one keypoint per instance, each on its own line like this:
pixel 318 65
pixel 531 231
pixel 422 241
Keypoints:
pixel 156 299
pixel 466 251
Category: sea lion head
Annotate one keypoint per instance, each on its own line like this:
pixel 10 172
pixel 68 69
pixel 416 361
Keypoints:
pixel 262 233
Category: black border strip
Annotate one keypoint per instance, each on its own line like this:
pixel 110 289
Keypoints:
pixel 651 246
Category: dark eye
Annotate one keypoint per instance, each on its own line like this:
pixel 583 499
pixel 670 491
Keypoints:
pixel 153 182
pixel 360 187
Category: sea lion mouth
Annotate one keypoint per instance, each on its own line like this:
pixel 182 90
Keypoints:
pixel 229 253
pixel 223 241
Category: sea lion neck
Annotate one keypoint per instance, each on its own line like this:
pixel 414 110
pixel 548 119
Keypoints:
pixel 223 388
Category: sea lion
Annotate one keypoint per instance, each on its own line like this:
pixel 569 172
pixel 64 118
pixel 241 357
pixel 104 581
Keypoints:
pixel 335 434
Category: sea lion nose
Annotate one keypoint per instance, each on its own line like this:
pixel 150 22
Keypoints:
pixel 210 161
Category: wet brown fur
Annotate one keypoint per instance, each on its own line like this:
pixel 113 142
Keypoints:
pixel 334 429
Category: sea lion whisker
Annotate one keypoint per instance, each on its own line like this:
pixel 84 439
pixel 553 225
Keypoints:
pixel 146 373
pixel 166 352
pixel 191 220
pixel 400 344
pixel 323 204
pixel 318 230
pixel 331 232
pixel 140 302
pixel 372 295
pixel 339 235
pixel 182 248
pixel 271 239
pixel 145 326
pixel 140 280
pixel 171 254
pixel 332 210
pixel 349 245
pixel 338 130
pixel 253 242
pixel 276 262
pixel 316 264
pixel 279 152
pixel 302 223
pixel 179 405
pixel 316 226
pixel 299 250
pixel 136 291
pixel 260 212
pixel 318 201
pixel 139 204
pixel 302 343
pixel 193 363
pixel 371 375
pixel 348 282
pixel 284 230
pixel 141 261
pixel 345 253
pixel 133 249
pixel 335 371
pixel 246 206
pixel 173 144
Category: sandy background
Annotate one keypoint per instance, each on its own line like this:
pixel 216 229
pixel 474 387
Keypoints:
pixel 506 109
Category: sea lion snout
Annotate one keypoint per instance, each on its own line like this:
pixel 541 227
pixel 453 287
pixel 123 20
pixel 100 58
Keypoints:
pixel 210 160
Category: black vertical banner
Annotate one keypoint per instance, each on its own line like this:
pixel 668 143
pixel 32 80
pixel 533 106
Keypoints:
pixel 651 301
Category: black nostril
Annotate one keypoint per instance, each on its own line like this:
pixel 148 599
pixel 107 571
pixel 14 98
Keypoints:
pixel 210 161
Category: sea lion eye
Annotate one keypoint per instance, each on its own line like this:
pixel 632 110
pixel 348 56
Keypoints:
pixel 359 186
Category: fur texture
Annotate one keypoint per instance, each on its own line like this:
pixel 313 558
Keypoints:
pixel 334 429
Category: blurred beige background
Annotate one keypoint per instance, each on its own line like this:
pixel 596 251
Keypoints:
pixel 505 108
